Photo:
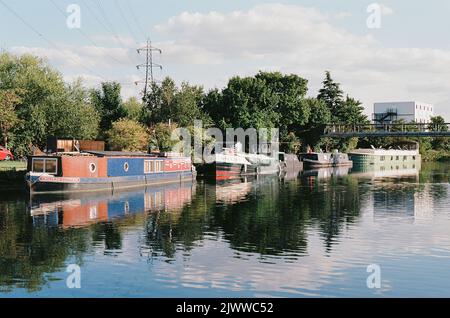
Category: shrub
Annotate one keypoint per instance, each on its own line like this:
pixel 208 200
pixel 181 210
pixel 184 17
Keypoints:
pixel 127 135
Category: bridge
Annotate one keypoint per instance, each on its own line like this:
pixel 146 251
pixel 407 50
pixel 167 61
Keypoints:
pixel 387 130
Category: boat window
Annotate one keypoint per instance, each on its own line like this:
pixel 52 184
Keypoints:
pixel 126 166
pixel 92 167
pixel 50 165
pixel 45 165
pixel 153 166
pixel 382 158
pixel 311 156
pixel 38 165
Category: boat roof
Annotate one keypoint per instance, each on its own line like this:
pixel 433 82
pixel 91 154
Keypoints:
pixel 119 154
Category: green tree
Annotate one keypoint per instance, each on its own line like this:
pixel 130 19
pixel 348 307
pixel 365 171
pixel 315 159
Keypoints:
pixel 179 105
pixel 159 102
pixel 311 131
pixel 291 90
pixel 187 106
pixel 437 123
pixel 133 108
pixel 246 102
pixel 352 112
pixel 40 85
pixel 74 116
pixel 109 105
pixel 161 137
pixel 348 111
pixel 8 117
pixel 127 135
pixel 332 95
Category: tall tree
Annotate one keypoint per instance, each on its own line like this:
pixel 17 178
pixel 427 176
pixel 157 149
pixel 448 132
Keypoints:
pixel 41 85
pixel 311 131
pixel 8 117
pixel 159 102
pixel 248 102
pixel 352 112
pixel 187 106
pixel 291 90
pixel 109 105
pixel 74 116
pixel 133 108
pixel 437 123
pixel 331 94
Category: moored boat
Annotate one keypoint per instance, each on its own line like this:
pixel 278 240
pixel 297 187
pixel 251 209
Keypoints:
pixel 374 156
pixel 232 163
pixel 105 170
pixel 324 160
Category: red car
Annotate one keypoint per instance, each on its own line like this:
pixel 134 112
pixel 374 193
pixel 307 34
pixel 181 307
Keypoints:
pixel 5 154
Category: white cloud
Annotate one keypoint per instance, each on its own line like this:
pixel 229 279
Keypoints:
pixel 303 40
pixel 93 64
pixel 208 48
pixel 387 10
pixel 342 15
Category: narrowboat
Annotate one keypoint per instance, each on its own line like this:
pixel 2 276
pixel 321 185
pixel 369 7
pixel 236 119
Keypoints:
pixel 105 170
pixel 385 157
pixel 323 160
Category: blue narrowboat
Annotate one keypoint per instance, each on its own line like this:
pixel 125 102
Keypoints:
pixel 105 170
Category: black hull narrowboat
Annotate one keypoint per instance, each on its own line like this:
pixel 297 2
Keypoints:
pixel 325 160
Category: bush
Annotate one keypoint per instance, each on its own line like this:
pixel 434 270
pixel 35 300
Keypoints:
pixel 436 155
pixel 127 135
pixel 161 137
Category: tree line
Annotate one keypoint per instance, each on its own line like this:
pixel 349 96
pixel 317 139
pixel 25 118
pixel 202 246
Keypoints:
pixel 35 103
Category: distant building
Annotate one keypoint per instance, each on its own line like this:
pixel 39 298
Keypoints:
pixel 388 112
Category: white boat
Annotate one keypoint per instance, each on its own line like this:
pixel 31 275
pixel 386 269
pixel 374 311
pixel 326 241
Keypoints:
pixel 379 156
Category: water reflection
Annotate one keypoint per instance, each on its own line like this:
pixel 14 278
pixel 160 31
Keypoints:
pixel 303 229
pixel 77 210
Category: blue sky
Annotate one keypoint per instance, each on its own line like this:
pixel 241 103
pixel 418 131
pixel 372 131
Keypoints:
pixel 207 41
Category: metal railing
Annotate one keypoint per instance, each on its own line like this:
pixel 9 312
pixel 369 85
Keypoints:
pixel 399 129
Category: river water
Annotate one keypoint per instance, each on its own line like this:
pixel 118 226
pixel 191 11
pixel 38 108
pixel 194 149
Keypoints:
pixel 306 235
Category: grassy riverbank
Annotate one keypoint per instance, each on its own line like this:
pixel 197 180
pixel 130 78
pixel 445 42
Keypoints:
pixel 12 175
pixel 13 165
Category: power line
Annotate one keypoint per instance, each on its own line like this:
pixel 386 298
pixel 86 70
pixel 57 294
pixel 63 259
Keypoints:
pixel 111 26
pixel 126 21
pixel 84 34
pixel 95 16
pixel 136 20
pixel 105 17
pixel 51 43
pixel 149 64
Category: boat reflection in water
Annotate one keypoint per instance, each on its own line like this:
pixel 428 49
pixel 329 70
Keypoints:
pixel 226 192
pixel 387 170
pixel 78 210
pixel 376 171
pixel 324 173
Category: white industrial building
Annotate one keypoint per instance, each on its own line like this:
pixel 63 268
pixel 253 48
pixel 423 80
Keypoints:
pixel 387 112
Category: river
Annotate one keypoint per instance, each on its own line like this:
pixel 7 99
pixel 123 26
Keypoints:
pixel 314 234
